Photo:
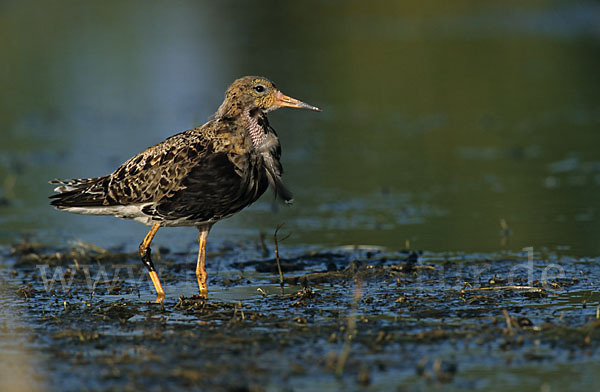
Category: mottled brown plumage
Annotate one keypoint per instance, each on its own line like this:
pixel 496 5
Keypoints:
pixel 196 177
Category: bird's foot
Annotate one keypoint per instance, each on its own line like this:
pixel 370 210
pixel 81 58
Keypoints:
pixel 159 298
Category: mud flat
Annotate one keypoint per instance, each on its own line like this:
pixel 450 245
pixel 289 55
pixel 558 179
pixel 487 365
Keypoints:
pixel 351 318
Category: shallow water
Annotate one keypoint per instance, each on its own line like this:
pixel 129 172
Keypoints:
pixel 346 319
pixel 438 121
pixel 467 130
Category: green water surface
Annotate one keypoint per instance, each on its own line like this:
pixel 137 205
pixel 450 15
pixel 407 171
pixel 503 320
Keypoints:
pixel 439 120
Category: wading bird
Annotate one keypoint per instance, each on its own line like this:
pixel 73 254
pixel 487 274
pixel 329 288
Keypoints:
pixel 196 177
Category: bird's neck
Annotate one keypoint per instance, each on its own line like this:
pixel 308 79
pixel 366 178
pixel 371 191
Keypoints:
pixel 256 124
pixel 229 109
pixel 254 120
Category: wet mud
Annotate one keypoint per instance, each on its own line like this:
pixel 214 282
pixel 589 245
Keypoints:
pixel 351 318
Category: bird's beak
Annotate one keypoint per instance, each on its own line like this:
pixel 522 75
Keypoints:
pixel 282 100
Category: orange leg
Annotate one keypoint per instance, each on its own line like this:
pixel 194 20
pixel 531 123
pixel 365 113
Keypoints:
pixel 200 265
pixel 145 252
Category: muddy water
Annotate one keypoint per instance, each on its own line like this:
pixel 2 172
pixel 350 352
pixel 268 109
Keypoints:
pixel 346 319
pixel 439 122
pixel 468 131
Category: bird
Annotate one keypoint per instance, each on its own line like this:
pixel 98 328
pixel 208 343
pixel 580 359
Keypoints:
pixel 196 177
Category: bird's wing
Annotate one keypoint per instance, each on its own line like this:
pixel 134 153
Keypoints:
pixel 151 175
pixel 271 153
pixel 212 190
pixel 203 174
pixel 221 180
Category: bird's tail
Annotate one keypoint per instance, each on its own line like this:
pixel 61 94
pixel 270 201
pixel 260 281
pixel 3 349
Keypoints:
pixel 73 184
pixel 78 192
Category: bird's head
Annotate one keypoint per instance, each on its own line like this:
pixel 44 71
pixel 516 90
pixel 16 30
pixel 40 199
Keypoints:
pixel 257 93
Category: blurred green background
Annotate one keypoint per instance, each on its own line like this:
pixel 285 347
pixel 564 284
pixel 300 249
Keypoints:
pixel 440 118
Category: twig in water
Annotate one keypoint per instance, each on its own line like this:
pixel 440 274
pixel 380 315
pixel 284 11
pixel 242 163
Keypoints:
pixel 529 289
pixel 263 245
pixel 508 321
pixel 279 226
pixel 260 290
pixel 235 311
pixel 350 329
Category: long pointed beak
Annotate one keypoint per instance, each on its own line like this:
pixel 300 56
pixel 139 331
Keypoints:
pixel 282 100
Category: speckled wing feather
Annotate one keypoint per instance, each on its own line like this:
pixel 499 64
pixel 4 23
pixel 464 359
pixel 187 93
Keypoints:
pixel 144 178
pixel 200 175
pixel 212 191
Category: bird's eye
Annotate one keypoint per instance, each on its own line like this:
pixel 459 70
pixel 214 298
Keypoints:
pixel 259 88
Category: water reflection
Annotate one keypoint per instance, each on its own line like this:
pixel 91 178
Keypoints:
pixel 438 122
